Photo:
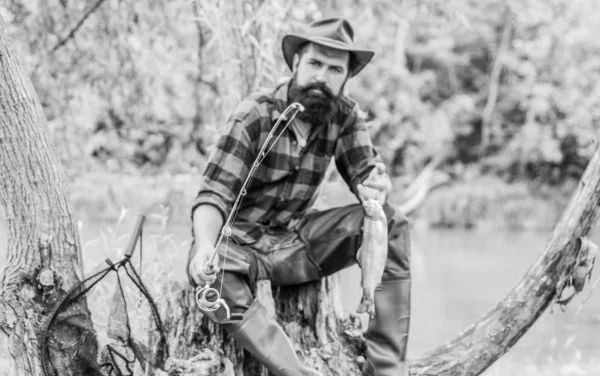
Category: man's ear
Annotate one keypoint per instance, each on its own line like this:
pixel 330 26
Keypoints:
pixel 295 62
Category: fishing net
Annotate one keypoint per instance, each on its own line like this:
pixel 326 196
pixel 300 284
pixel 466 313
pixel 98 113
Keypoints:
pixel 69 344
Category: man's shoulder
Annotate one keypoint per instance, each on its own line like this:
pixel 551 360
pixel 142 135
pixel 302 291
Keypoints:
pixel 253 113
pixel 348 105
pixel 349 110
pixel 262 95
pixel 257 104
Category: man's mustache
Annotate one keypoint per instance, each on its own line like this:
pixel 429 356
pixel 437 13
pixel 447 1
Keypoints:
pixel 317 86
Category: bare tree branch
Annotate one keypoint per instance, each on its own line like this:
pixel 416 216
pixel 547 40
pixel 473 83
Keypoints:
pixel 495 82
pixel 74 30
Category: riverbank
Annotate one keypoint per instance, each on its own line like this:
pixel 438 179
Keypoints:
pixel 481 202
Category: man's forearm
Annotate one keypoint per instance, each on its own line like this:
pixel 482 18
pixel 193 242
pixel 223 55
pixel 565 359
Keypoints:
pixel 208 222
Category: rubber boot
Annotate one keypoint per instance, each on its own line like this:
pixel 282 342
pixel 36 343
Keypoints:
pixel 387 336
pixel 263 337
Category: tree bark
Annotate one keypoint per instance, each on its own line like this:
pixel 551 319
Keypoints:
pixel 42 235
pixel 312 315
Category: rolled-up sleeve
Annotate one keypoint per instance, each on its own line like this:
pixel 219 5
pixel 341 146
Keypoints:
pixel 227 167
pixel 355 154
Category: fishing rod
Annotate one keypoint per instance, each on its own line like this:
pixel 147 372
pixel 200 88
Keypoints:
pixel 208 298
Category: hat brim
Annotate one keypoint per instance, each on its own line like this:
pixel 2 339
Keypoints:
pixel 292 42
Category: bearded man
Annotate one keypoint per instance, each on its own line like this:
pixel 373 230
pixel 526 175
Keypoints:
pixel 274 235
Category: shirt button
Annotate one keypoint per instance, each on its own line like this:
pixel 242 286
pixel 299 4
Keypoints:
pixel 294 142
pixel 296 167
pixel 281 199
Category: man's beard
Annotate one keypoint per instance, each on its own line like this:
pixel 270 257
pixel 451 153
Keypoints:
pixel 319 107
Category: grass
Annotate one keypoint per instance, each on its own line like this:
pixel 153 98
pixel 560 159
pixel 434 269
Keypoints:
pixel 159 251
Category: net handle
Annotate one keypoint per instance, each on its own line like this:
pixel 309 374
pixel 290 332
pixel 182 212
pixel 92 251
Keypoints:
pixel 135 235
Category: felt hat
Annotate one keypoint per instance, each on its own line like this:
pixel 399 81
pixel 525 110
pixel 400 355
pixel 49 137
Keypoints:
pixel 330 32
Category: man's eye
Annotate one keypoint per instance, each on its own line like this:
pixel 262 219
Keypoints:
pixel 315 63
pixel 336 69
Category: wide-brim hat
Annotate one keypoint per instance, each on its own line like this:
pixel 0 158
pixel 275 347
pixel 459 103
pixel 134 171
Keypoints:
pixel 331 32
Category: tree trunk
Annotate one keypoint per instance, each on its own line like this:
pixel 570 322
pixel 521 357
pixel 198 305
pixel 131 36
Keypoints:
pixel 312 314
pixel 42 235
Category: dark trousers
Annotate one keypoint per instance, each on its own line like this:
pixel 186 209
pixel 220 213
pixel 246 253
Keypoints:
pixel 321 244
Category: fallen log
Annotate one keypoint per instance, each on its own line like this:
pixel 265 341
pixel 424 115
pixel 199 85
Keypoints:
pixel 484 342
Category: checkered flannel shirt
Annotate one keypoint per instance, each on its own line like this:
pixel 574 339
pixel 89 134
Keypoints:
pixel 285 184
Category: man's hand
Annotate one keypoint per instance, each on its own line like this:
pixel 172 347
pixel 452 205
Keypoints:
pixel 202 258
pixel 376 186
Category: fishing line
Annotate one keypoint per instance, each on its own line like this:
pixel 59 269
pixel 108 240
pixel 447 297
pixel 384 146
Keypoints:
pixel 208 298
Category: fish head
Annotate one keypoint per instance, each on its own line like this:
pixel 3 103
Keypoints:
pixel 371 208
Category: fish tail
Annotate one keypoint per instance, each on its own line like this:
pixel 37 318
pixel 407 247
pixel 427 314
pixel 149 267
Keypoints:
pixel 371 310
pixel 365 305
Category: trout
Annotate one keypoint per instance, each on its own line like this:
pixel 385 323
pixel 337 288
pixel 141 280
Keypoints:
pixel 372 254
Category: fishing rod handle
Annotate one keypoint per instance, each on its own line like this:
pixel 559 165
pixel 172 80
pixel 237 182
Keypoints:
pixel 135 235
pixel 209 268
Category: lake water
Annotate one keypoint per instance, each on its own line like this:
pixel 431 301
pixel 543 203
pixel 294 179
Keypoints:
pixel 457 277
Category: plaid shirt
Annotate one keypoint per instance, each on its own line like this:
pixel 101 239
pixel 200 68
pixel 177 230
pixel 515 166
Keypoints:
pixel 285 184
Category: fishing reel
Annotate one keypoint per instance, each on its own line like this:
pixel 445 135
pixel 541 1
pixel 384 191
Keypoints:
pixel 209 300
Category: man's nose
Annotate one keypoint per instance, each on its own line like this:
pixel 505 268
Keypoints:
pixel 321 75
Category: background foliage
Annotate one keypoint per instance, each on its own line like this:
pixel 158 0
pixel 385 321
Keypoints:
pixel 505 92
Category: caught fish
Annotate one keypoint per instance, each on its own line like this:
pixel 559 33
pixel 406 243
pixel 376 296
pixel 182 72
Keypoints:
pixel 372 254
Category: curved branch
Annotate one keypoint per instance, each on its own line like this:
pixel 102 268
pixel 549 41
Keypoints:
pixel 433 179
pixel 484 342
pixel 427 180
pixel 71 34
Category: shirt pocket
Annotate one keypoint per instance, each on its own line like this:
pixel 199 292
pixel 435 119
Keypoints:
pixel 317 164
